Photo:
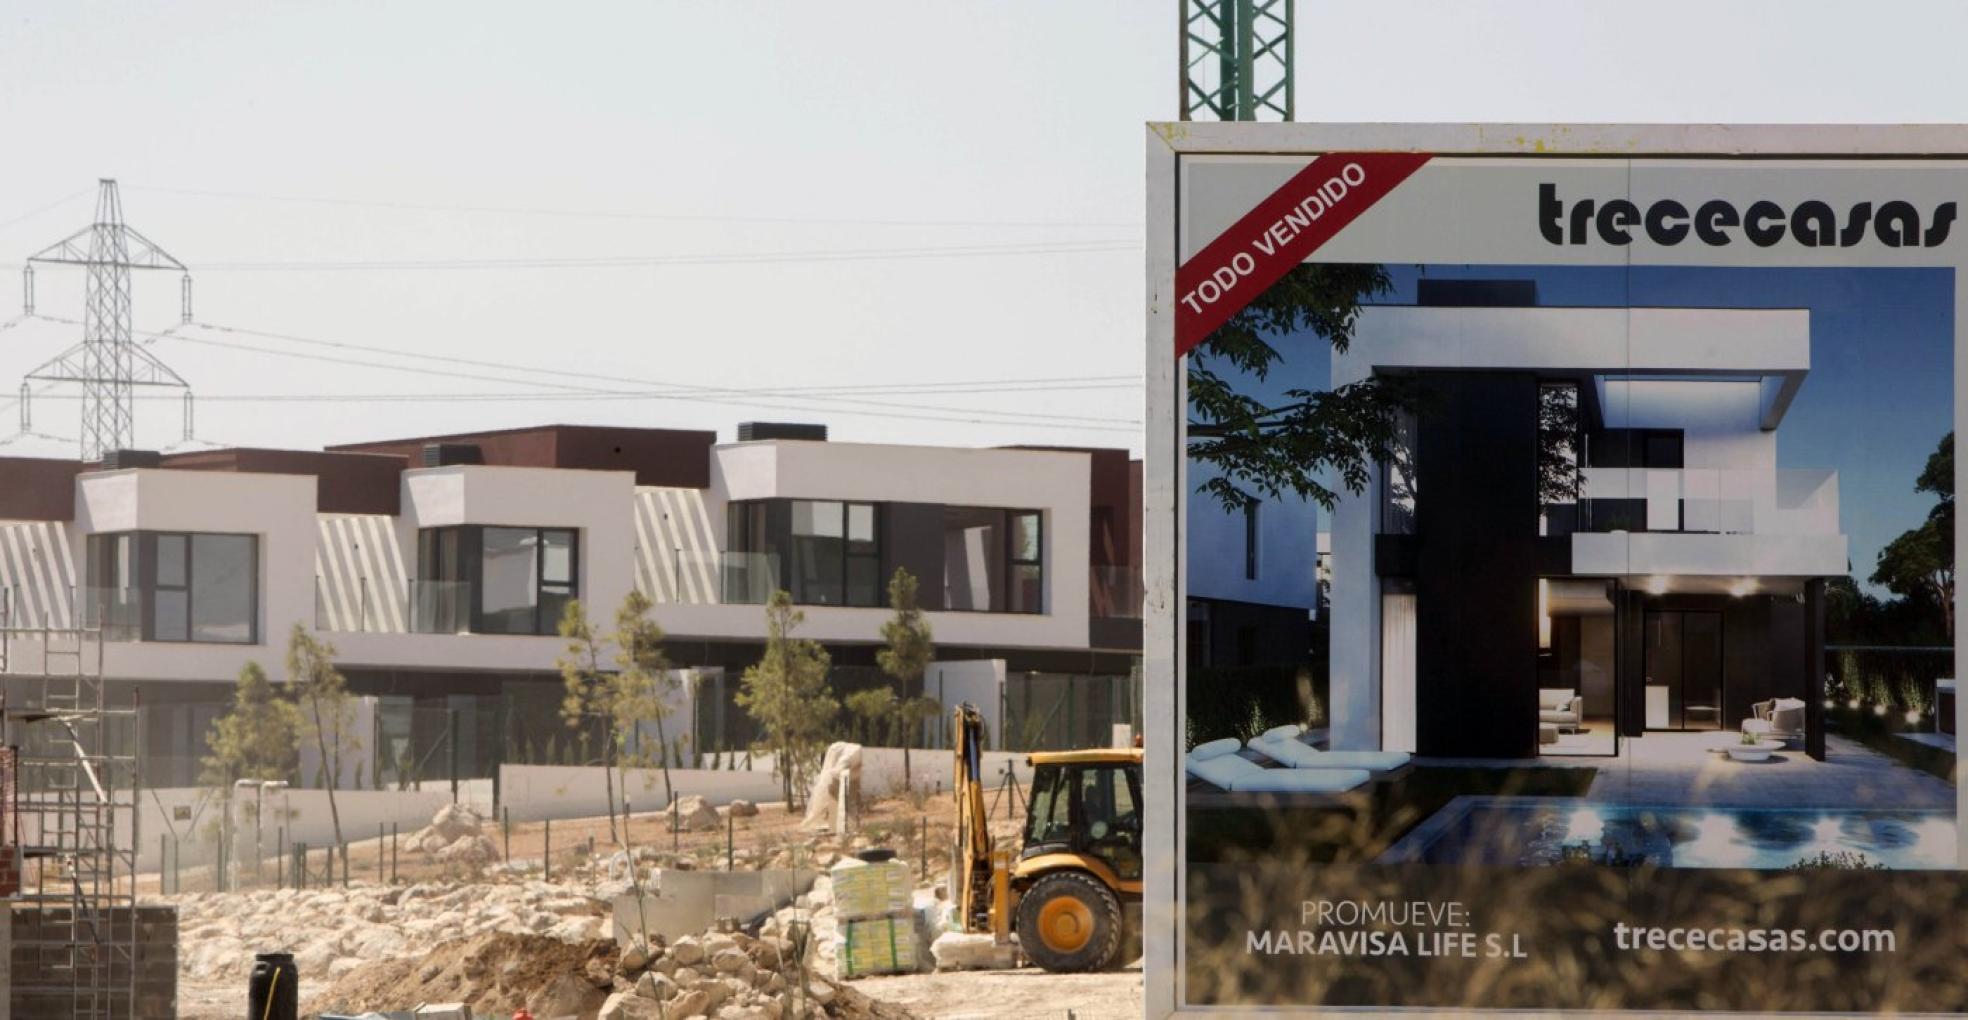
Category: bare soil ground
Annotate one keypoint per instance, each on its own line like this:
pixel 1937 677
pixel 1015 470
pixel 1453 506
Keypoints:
pixel 1025 994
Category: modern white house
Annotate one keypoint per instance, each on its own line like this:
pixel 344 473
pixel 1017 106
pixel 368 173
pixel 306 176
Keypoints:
pixel 1585 533
pixel 438 567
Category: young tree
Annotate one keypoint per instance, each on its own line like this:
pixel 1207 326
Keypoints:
pixel 875 710
pixel 908 647
pixel 586 691
pixel 257 738
pixel 786 694
pixel 642 684
pixel 325 708
pixel 1263 446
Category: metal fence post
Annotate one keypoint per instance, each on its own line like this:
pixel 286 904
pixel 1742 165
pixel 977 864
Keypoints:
pixel 730 827
pixel 505 829
pixel 546 853
pixel 451 738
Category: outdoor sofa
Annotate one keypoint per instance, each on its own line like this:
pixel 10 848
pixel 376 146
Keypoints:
pixel 1282 745
pixel 1776 719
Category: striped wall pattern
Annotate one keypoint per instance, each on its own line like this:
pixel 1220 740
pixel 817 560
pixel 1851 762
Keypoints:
pixel 676 547
pixel 38 575
pixel 360 580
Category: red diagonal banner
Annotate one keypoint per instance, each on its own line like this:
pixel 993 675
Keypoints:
pixel 1259 249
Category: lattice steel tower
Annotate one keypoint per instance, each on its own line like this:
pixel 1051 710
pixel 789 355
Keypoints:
pixel 108 365
pixel 1236 59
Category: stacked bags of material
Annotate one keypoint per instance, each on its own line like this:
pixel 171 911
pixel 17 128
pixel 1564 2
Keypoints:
pixel 875 915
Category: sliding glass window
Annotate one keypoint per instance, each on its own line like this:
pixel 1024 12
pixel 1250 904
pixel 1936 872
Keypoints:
pixel 993 560
pixel 174 586
pixel 833 548
pixel 496 580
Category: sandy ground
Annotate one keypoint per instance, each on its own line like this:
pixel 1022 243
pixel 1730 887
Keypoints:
pixel 1027 994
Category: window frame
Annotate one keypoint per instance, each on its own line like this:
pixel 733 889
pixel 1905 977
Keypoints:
pixel 465 558
pixel 106 570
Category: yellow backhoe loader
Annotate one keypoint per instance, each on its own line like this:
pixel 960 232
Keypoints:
pixel 1072 896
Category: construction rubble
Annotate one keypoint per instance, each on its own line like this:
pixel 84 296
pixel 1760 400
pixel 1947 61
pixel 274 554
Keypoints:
pixel 494 938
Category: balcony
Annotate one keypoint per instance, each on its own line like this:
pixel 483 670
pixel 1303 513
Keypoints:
pixel 1709 501
pixel 692 577
pixel 117 612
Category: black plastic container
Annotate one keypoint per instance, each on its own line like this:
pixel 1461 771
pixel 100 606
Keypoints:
pixel 274 991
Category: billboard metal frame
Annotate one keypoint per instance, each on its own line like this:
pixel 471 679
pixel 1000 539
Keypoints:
pixel 1164 569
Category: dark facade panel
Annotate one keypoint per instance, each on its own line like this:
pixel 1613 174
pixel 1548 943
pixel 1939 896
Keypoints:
pixel 674 458
pixel 912 540
pixel 345 483
pixel 1477 565
pixel 37 489
pixel 1396 555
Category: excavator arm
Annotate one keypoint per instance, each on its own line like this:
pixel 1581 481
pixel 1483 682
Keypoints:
pixel 975 890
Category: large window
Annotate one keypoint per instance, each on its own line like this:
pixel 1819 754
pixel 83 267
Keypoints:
pixel 495 580
pixel 993 560
pixel 174 586
pixel 828 551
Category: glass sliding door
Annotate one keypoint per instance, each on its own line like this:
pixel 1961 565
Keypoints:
pixel 1683 663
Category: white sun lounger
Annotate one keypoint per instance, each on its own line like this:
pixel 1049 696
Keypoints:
pixel 1221 766
pixel 1300 755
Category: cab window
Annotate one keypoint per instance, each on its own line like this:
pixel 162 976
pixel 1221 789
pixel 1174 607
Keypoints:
pixel 1051 818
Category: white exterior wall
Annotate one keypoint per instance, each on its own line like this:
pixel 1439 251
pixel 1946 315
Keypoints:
pixel 1057 483
pixel 279 509
pixel 358 567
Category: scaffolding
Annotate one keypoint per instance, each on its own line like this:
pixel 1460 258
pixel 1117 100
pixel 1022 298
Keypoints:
pixel 68 821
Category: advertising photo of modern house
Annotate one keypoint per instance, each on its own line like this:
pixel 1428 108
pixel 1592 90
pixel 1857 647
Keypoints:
pixel 1631 566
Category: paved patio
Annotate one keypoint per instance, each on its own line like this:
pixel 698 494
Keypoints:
pixel 1680 768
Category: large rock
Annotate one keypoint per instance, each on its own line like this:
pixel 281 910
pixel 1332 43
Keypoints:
pixel 955 950
pixel 566 995
pixel 842 758
pixel 455 821
pixel 742 808
pixel 694 814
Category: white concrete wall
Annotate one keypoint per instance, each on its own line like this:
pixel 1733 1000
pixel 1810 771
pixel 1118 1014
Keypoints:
pixel 304 814
pixel 533 792
pixel 980 682
pixel 1355 683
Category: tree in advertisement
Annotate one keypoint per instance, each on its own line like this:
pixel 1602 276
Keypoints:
pixel 1920 563
pixel 1264 447
pixel 786 693
pixel 908 647
pixel 327 711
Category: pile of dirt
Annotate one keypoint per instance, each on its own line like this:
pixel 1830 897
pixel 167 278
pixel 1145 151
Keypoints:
pixel 494 974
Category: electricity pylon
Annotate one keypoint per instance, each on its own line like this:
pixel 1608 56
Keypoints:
pixel 107 364
pixel 1236 58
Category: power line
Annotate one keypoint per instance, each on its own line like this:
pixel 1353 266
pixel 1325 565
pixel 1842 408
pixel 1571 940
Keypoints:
pixel 713 395
pixel 619 215
pixel 815 256
pixel 617 380
pixel 38 210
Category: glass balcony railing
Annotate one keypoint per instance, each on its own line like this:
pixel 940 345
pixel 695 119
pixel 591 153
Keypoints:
pixel 1114 592
pixel 440 607
pixel 695 577
pixel 117 612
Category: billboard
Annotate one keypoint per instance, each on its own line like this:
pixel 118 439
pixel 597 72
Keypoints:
pixel 1618 670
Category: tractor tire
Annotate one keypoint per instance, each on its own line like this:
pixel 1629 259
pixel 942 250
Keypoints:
pixel 1069 921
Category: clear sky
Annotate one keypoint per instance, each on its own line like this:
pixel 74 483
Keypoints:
pixel 297 156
